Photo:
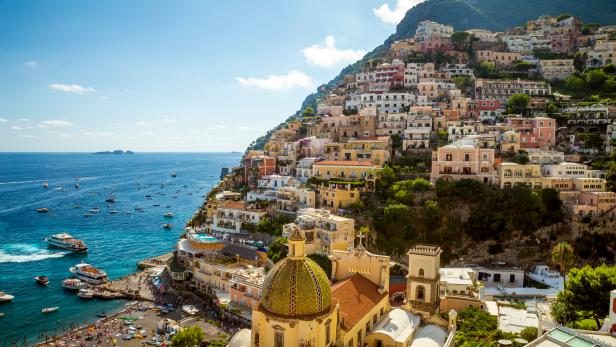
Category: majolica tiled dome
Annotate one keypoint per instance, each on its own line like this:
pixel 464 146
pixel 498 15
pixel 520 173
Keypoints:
pixel 296 287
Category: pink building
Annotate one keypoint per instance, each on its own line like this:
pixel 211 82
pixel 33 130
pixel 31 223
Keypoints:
pixel 539 132
pixel 483 108
pixel 436 44
pixel 258 166
pixel 463 159
pixel 245 290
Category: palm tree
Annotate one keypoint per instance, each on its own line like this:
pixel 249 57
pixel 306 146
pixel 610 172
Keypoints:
pixel 562 254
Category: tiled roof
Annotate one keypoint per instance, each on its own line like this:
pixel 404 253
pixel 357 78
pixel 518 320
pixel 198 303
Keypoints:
pixel 243 251
pixel 356 296
pixel 345 163
pixel 238 205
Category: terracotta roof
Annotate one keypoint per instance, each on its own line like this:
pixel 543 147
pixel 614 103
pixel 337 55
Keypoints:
pixel 238 205
pixel 345 163
pixel 356 296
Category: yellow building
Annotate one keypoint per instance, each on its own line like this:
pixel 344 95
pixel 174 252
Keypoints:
pixel 375 150
pixel 345 170
pixel 324 231
pixel 339 195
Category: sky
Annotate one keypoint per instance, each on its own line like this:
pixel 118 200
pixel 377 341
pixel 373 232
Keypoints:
pixel 171 76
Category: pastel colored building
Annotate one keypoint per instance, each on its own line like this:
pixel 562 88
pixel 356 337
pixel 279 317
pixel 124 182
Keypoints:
pixel 463 160
pixel 345 170
pixel 538 132
pixel 324 231
pixel 338 195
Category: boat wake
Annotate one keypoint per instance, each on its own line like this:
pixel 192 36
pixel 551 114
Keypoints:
pixel 22 253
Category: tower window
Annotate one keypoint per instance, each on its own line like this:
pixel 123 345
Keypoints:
pixel 278 339
pixel 421 272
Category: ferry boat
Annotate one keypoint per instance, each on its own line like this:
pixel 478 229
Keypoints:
pixel 89 273
pixel 42 280
pixel 50 309
pixel 66 241
pixel 73 284
pixel 42 210
pixel 4 297
pixel 85 294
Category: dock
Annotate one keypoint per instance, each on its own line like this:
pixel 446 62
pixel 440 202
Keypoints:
pixel 134 286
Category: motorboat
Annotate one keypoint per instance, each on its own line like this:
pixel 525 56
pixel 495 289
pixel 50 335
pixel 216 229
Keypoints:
pixel 95 210
pixel 102 314
pixel 45 185
pixel 110 200
pixel 87 214
pixel 66 241
pixel 77 185
pixel 42 210
pixel 73 284
pixel 50 309
pixel 85 294
pixel 89 273
pixel 42 280
pixel 168 215
pixel 113 212
pixel 4 297
pixel 173 174
pixel 167 226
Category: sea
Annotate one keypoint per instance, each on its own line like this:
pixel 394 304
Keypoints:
pixel 116 241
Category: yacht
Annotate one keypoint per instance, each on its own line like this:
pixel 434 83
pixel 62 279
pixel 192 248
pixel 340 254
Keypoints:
pixel 42 280
pixel 4 297
pixel 173 174
pixel 85 294
pixel 66 241
pixel 73 284
pixel 77 185
pixel 167 226
pixel 89 273
pixel 42 210
pixel 50 309
pixel 113 212
pixel 168 215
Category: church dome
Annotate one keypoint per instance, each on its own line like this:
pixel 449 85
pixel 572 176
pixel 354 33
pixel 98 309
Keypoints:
pixel 296 287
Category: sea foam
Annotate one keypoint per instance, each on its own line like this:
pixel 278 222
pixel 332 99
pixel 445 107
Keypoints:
pixel 21 253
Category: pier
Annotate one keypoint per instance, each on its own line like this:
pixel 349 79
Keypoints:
pixel 155 261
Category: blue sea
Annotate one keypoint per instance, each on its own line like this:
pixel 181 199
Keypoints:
pixel 116 241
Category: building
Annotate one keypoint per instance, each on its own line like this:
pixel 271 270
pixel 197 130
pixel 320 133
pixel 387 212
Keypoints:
pixel 338 195
pixel 463 160
pixel 291 199
pixel 375 150
pixel 502 90
pixel 257 166
pixel 422 289
pixel 483 35
pixel 498 58
pixel 432 37
pixel 401 48
pixel 538 132
pixel 556 69
pixel 323 230
pixel 499 274
pixel 233 216
pixel 603 53
pixel 345 170
pixel 303 170
pixel 246 287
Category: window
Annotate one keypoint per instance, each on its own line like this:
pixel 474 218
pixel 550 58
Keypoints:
pixel 512 278
pixel 420 294
pixel 256 339
pixel 359 337
pixel 279 338
pixel 421 272
pixel 367 326
pixel 374 319
pixel 328 329
pixel 467 157
pixel 497 278
pixel 448 157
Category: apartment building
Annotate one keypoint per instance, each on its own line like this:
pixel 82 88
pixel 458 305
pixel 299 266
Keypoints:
pixel 556 69
pixel 245 289
pixel 603 53
pixel 334 196
pixel 230 217
pixel 323 230
pixel 463 159
pixel 345 170
pixel 502 90
pixel 538 132
pixel 391 124
pixel 418 132
pixel 498 58
pixel 376 150
pixel 292 199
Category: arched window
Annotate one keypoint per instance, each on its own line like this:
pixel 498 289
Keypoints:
pixel 420 293
pixel 421 272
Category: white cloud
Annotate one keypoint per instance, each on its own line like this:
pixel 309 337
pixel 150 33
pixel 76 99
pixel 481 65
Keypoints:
pixel 142 124
pixel 29 136
pixel 148 133
pixel 97 133
pixel 55 123
pixel 23 120
pixel 278 82
pixel 2 120
pixel 71 88
pixel 393 17
pixel 32 63
pixel 15 127
pixel 329 55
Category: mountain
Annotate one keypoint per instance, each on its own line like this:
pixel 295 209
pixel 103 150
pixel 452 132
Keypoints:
pixel 495 15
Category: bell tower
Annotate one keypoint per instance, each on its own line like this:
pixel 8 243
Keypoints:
pixel 422 281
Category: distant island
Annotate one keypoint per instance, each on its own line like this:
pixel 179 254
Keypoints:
pixel 118 151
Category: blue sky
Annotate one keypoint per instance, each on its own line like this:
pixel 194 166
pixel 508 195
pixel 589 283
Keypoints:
pixel 171 75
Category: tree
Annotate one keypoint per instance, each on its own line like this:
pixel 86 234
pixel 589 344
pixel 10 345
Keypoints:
pixel 518 104
pixel 588 291
pixel 308 112
pixel 188 337
pixel 563 16
pixel 278 249
pixel 486 69
pixel 562 254
pixel 529 333
pixel 595 79
pixel 323 262
pixel 594 140
pixel 551 108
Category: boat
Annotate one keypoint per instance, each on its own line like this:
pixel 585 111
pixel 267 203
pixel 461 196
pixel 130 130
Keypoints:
pixel 148 197
pixel 113 212
pixel 73 284
pixel 156 205
pixel 45 185
pixel 42 280
pixel 77 185
pixel 87 214
pixel 50 309
pixel 76 206
pixel 4 297
pixel 95 210
pixel 168 215
pixel 1 314
pixel 42 210
pixel 110 200
pixel 66 241
pixel 102 314
pixel 167 226
pixel 139 209
pixel 173 174
pixel 89 273
pixel 85 294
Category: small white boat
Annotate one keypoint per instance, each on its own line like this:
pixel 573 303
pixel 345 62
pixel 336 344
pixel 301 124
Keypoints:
pixel 50 309
pixel 85 294
pixel 73 284
pixel 113 212
pixel 167 226
pixel 4 297
pixel 1 314
pixel 42 210
pixel 45 185
pixel 168 215
pixel 173 174
pixel 77 185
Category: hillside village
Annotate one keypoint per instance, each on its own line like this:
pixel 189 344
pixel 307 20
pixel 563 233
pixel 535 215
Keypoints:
pixel 436 183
